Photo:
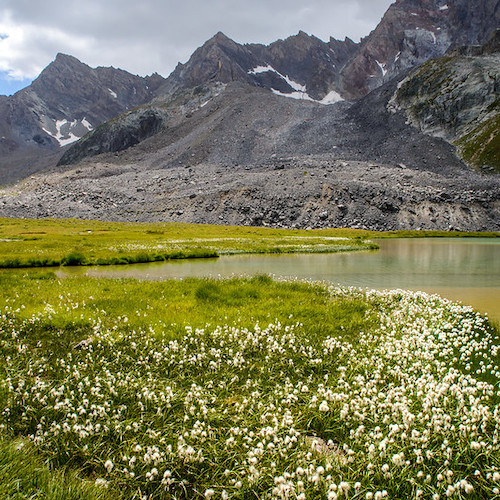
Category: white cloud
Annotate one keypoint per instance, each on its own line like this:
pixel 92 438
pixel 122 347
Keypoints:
pixel 153 35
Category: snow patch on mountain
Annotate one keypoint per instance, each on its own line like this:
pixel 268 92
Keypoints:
pixel 65 130
pixel 261 69
pixel 264 69
pixel 113 93
pixel 382 67
pixel 294 95
pixel 300 91
pixel 295 86
pixel 87 124
pixel 331 98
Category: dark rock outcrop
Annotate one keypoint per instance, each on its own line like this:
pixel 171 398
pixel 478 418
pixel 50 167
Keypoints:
pixel 457 97
pixel 118 134
pixel 413 31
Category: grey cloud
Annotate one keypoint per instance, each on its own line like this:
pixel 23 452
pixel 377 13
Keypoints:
pixel 153 35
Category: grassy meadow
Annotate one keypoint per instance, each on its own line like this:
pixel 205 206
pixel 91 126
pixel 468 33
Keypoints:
pixel 244 388
pixel 50 242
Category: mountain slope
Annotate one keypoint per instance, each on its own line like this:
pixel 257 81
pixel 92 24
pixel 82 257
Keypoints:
pixel 457 97
pixel 413 31
pixel 250 157
pixel 69 98
pixel 66 101
pixel 219 141
pixel 238 124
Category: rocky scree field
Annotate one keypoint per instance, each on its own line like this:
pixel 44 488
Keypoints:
pixel 239 155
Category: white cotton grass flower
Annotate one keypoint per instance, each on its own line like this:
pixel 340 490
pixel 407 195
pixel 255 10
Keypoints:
pixel 324 407
pixel 398 459
pixel 108 465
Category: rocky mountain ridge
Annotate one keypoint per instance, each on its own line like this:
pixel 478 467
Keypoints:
pixel 301 66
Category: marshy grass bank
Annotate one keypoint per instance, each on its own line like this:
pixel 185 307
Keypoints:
pixel 68 242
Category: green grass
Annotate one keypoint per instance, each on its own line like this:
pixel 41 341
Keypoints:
pixel 24 475
pixel 67 242
pixel 48 242
pixel 203 388
pixel 155 305
pixel 481 147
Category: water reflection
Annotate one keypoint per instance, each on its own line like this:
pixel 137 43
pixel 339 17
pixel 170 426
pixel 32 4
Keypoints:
pixel 465 269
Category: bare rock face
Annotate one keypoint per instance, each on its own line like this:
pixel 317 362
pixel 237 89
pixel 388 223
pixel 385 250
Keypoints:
pixel 413 31
pixel 140 123
pixel 219 59
pixel 472 22
pixel 65 102
pixel 308 61
pixel 301 64
pixel 457 97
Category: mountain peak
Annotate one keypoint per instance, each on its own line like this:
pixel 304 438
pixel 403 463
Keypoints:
pixel 61 57
pixel 66 60
pixel 220 39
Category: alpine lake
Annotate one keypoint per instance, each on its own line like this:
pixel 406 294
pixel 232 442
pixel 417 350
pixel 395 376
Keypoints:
pixel 460 269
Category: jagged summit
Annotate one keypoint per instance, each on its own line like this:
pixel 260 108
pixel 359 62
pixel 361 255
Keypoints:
pixel 220 38
pixel 66 58
pixel 301 65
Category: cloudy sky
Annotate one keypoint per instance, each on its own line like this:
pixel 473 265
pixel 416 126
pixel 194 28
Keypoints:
pixel 144 36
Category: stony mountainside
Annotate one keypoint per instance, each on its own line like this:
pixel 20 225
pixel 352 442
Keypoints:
pixel 70 98
pixel 413 31
pixel 66 101
pixel 142 122
pixel 246 156
pixel 457 97
pixel 220 141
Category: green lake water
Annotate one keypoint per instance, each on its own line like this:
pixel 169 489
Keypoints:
pixel 467 270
